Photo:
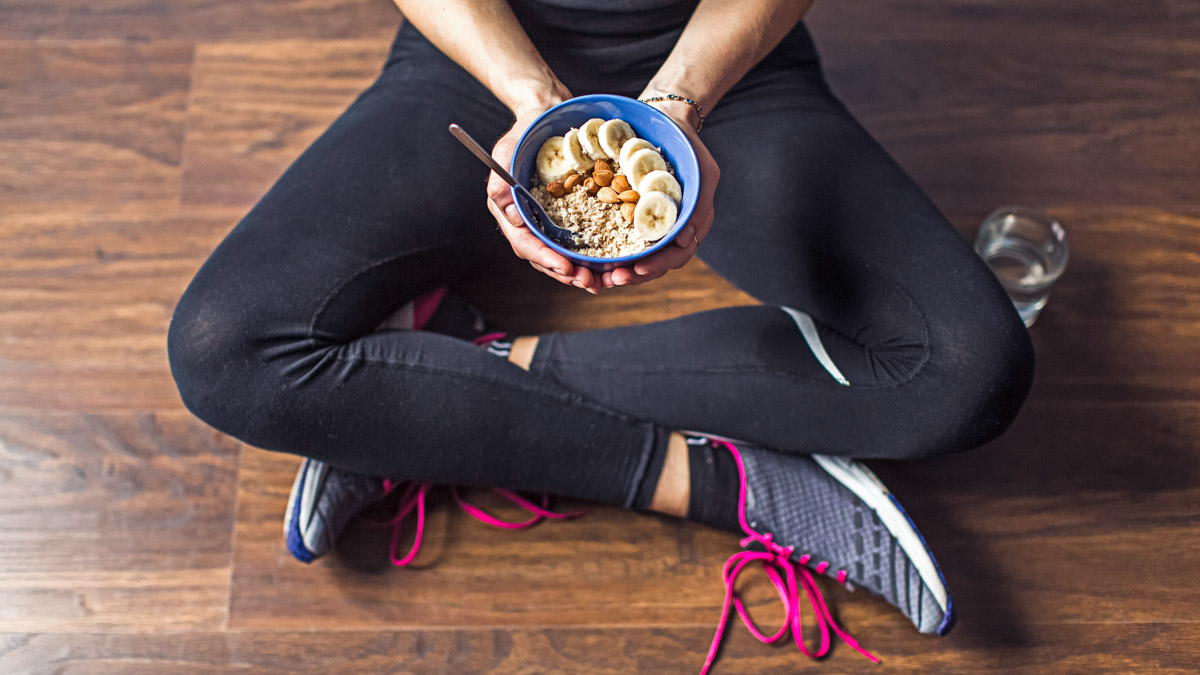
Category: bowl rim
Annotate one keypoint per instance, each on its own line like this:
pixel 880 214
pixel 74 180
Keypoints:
pixel 684 215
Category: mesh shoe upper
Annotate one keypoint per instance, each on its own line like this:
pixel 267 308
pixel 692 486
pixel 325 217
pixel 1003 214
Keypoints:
pixel 806 507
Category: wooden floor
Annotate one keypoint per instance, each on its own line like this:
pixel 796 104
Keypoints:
pixel 133 539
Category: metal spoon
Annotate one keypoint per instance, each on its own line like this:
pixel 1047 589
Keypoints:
pixel 562 237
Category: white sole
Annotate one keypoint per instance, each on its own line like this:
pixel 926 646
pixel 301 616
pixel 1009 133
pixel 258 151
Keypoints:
pixel 312 482
pixel 867 487
pixel 292 497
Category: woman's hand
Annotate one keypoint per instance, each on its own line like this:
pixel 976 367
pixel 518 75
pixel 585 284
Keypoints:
pixel 523 242
pixel 676 255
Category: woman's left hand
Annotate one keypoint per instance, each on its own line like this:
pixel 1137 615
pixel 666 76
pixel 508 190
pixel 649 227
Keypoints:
pixel 684 247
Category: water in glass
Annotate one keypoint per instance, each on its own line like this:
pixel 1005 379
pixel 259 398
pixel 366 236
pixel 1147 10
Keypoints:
pixel 1027 251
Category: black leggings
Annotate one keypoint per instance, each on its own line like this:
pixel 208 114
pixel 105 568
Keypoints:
pixel 900 343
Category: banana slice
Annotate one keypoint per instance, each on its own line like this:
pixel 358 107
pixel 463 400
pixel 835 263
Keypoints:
pixel 661 181
pixel 631 146
pixel 613 135
pixel 589 138
pixel 654 215
pixel 642 163
pixel 552 165
pixel 573 150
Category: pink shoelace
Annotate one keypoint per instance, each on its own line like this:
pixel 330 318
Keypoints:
pixel 781 571
pixel 413 499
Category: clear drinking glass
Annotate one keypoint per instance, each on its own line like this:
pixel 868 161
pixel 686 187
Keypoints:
pixel 1027 250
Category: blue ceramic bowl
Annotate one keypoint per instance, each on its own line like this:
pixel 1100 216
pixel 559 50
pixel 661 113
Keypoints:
pixel 647 122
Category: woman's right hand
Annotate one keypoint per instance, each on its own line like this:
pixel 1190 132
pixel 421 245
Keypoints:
pixel 524 243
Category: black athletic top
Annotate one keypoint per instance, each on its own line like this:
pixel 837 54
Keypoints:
pixel 607 21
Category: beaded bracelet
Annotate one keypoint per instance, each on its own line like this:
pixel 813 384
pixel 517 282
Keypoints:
pixel 681 99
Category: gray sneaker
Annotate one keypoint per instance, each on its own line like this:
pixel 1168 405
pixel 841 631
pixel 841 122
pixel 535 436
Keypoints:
pixel 324 500
pixel 843 522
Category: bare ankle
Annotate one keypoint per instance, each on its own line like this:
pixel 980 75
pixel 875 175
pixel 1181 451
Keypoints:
pixel 522 350
pixel 674 483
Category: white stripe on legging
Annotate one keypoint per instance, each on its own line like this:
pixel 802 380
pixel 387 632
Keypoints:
pixel 809 330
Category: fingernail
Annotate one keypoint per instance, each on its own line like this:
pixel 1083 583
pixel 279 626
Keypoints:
pixel 591 290
pixel 685 237
pixel 558 270
pixel 577 284
pixel 510 211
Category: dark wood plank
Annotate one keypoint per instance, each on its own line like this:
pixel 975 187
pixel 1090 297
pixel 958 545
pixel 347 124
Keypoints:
pixel 84 308
pixel 962 53
pixel 1018 19
pixel 114 522
pixel 1185 27
pixel 994 102
pixel 1122 321
pixel 1028 531
pixel 1169 648
pixel 255 107
pixel 1117 152
pixel 197 19
pixel 91 126
pixel 1031 525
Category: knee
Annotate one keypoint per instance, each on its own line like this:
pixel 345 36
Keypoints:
pixel 989 389
pixel 210 351
pixel 974 392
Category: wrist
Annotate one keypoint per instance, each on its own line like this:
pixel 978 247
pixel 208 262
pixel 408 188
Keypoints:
pixel 678 81
pixel 531 98
pixel 685 114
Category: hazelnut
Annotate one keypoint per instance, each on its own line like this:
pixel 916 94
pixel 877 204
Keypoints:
pixel 603 178
pixel 556 189
pixel 590 185
pixel 571 181
pixel 602 165
pixel 627 211
pixel 629 196
pixel 621 183
pixel 607 194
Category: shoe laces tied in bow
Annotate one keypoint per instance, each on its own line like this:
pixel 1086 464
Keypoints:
pixel 784 576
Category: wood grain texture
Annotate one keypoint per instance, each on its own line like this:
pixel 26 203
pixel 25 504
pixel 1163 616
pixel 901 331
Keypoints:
pixel 998 102
pixel 114 522
pixel 256 107
pixel 93 126
pixel 197 19
pixel 1169 648
pixel 1122 321
pixel 84 308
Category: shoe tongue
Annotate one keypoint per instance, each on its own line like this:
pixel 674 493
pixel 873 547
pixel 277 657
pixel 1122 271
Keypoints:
pixel 425 306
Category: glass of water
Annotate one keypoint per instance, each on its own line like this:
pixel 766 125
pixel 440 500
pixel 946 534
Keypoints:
pixel 1027 251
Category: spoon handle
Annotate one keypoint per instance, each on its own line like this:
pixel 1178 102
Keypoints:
pixel 477 150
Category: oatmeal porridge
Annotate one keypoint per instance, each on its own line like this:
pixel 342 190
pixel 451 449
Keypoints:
pixel 614 190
